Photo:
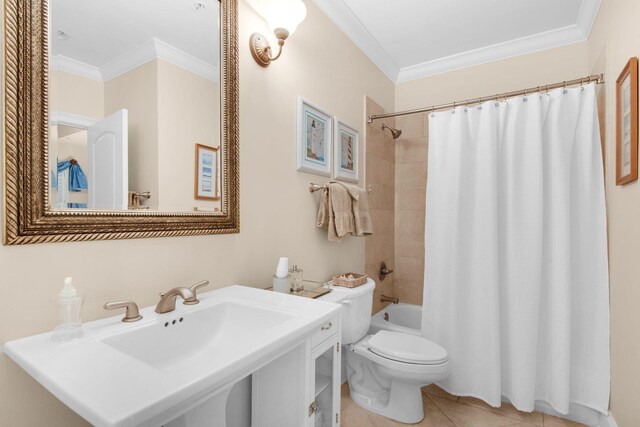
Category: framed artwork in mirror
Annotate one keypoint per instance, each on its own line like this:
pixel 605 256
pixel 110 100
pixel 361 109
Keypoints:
pixel 345 164
pixel 206 179
pixel 627 124
pixel 314 139
pixel 93 117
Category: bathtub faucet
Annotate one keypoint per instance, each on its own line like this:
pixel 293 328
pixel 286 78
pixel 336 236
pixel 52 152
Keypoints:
pixel 385 298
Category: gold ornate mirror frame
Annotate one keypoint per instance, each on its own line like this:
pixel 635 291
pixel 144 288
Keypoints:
pixel 27 216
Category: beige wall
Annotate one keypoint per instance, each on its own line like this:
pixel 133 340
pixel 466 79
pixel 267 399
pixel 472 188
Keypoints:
pixel 614 39
pixel 277 211
pixel 411 150
pixel 188 113
pixel 74 94
pixel 380 175
pixel 137 91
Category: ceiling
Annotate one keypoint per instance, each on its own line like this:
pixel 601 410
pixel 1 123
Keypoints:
pixel 410 39
pixel 103 32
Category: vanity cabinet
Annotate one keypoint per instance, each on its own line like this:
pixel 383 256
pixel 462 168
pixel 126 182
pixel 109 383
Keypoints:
pixel 301 388
pixel 324 378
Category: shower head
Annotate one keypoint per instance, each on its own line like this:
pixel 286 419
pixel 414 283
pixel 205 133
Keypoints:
pixel 395 133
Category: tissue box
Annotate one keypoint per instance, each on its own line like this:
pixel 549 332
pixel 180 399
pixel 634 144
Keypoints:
pixel 349 280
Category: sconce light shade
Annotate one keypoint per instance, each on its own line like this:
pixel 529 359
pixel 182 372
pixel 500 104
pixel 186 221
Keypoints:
pixel 285 14
pixel 283 17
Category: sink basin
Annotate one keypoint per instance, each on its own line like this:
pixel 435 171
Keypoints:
pixel 151 372
pixel 181 338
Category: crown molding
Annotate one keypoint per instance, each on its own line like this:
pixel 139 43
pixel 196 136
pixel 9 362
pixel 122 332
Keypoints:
pixel 348 22
pixel 587 16
pixel 496 52
pixel 69 119
pixel 184 60
pixel 128 61
pixel 153 49
pixel 70 65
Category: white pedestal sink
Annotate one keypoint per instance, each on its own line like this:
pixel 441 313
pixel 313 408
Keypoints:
pixel 197 334
pixel 159 370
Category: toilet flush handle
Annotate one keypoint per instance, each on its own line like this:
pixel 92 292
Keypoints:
pixel 347 302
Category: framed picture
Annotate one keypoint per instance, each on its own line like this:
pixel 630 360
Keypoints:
pixel 627 124
pixel 345 140
pixel 206 179
pixel 314 139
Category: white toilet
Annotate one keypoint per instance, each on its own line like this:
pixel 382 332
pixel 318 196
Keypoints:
pixel 387 369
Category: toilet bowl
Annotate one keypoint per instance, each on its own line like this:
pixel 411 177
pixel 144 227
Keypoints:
pixel 385 370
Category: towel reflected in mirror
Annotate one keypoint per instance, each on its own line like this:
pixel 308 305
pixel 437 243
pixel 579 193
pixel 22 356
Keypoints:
pixel 70 179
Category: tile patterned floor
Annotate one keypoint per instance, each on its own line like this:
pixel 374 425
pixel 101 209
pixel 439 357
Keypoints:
pixel 445 410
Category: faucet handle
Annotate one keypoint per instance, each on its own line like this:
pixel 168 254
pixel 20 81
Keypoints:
pixel 132 314
pixel 197 286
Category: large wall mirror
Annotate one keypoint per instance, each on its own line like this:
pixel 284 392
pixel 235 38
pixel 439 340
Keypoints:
pixel 121 119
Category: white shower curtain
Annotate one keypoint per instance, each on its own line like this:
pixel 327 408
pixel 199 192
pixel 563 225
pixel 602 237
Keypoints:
pixel 516 276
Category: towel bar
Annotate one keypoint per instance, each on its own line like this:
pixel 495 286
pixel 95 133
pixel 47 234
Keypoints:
pixel 317 187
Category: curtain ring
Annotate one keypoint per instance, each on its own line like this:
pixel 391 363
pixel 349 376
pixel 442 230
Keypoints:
pixel 547 89
pixel 565 85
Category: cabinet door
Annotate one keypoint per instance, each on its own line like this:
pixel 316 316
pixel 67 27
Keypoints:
pixel 279 390
pixel 325 384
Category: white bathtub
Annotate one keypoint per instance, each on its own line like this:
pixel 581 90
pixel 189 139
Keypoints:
pixel 401 318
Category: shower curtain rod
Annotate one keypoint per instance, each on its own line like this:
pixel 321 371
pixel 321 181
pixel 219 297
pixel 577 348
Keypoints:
pixel 598 79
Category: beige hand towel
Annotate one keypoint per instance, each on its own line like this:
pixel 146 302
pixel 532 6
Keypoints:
pixel 363 225
pixel 323 210
pixel 325 216
pixel 344 210
pixel 361 215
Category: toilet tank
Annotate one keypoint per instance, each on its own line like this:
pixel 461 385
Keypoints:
pixel 356 309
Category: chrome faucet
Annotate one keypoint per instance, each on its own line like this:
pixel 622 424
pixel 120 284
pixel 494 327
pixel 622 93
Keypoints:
pixel 167 301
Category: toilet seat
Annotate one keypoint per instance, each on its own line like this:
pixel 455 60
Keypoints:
pixel 400 368
pixel 407 348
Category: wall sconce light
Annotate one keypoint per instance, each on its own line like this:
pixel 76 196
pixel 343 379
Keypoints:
pixel 283 16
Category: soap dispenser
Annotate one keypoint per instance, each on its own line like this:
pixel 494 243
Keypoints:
pixel 69 304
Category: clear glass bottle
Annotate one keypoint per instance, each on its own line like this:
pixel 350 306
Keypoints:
pixel 69 304
pixel 297 281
